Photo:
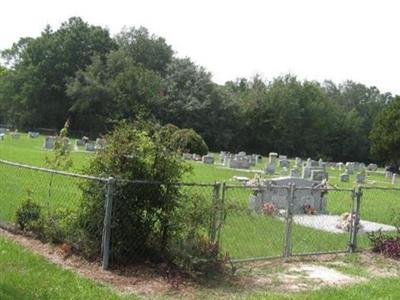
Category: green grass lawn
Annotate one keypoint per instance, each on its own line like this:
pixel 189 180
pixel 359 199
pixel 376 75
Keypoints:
pixel 244 234
pixel 28 276
pixel 381 288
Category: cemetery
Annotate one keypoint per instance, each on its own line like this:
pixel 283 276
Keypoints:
pixel 129 170
pixel 257 197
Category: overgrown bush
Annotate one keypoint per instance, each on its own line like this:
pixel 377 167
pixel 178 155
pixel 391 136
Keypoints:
pixel 187 140
pixel 28 214
pixel 150 220
pixel 386 244
pixel 50 225
pixel 192 247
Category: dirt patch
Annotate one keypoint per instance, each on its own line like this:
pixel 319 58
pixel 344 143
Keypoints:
pixel 325 275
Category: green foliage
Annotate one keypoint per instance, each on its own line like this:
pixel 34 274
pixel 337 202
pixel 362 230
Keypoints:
pixel 141 211
pixel 28 214
pixel 80 72
pixel 385 134
pixel 60 158
pixel 190 224
pixel 35 89
pixel 50 225
pixel 187 140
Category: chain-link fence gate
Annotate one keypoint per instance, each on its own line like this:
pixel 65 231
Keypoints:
pixel 246 222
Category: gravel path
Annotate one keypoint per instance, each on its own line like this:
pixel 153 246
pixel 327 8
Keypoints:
pixel 329 223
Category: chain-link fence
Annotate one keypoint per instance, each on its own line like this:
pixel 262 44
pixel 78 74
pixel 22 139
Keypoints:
pixel 120 221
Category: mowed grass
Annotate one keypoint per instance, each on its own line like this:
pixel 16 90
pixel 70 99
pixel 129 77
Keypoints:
pixel 244 234
pixel 28 276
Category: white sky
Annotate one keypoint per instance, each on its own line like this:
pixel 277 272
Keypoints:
pixel 313 39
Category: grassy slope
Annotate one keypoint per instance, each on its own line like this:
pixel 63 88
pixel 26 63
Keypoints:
pixel 28 276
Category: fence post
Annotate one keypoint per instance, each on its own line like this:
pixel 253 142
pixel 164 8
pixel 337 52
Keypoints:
pixel 287 247
pixel 221 212
pixel 215 211
pixel 105 244
pixel 355 219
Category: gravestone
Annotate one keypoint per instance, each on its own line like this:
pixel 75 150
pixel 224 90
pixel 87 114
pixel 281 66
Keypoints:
pixel 394 176
pixel 388 174
pixel 271 193
pixel 294 173
pixel 3 130
pixel 33 134
pixel 15 135
pixel 306 172
pixel 90 147
pixel 196 157
pixel 2 135
pixel 239 162
pixel 372 167
pixel 360 177
pixel 85 139
pixel 270 168
pixel 320 162
pixel 272 157
pixel 282 156
pixel 350 167
pixel 222 155
pixel 284 163
pixel 344 177
pixel 187 156
pixel 100 144
pixel 49 142
pixel 339 166
pixel 298 162
pixel 79 143
pixel 318 175
pixel 208 159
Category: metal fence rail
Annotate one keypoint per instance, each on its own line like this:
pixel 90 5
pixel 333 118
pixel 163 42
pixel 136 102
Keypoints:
pixel 247 222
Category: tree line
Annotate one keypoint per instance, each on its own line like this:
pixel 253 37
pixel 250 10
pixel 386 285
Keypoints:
pixel 82 73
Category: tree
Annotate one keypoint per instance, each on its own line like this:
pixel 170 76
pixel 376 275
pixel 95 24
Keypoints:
pixel 115 89
pixel 385 134
pixel 41 67
pixel 150 51
pixel 187 140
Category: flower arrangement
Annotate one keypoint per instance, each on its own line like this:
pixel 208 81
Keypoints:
pixel 268 208
pixel 309 210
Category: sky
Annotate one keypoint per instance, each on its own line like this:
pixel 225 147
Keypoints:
pixel 312 39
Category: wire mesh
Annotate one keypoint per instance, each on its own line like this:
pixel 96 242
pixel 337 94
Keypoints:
pixel 254 222
pixel 379 210
pixel 152 220
pixel 50 205
pixel 323 221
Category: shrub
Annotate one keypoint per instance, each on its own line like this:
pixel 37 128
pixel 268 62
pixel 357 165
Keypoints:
pixel 385 244
pixel 141 212
pixel 28 214
pixel 53 225
pixel 187 140
pixel 155 220
pixel 190 223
